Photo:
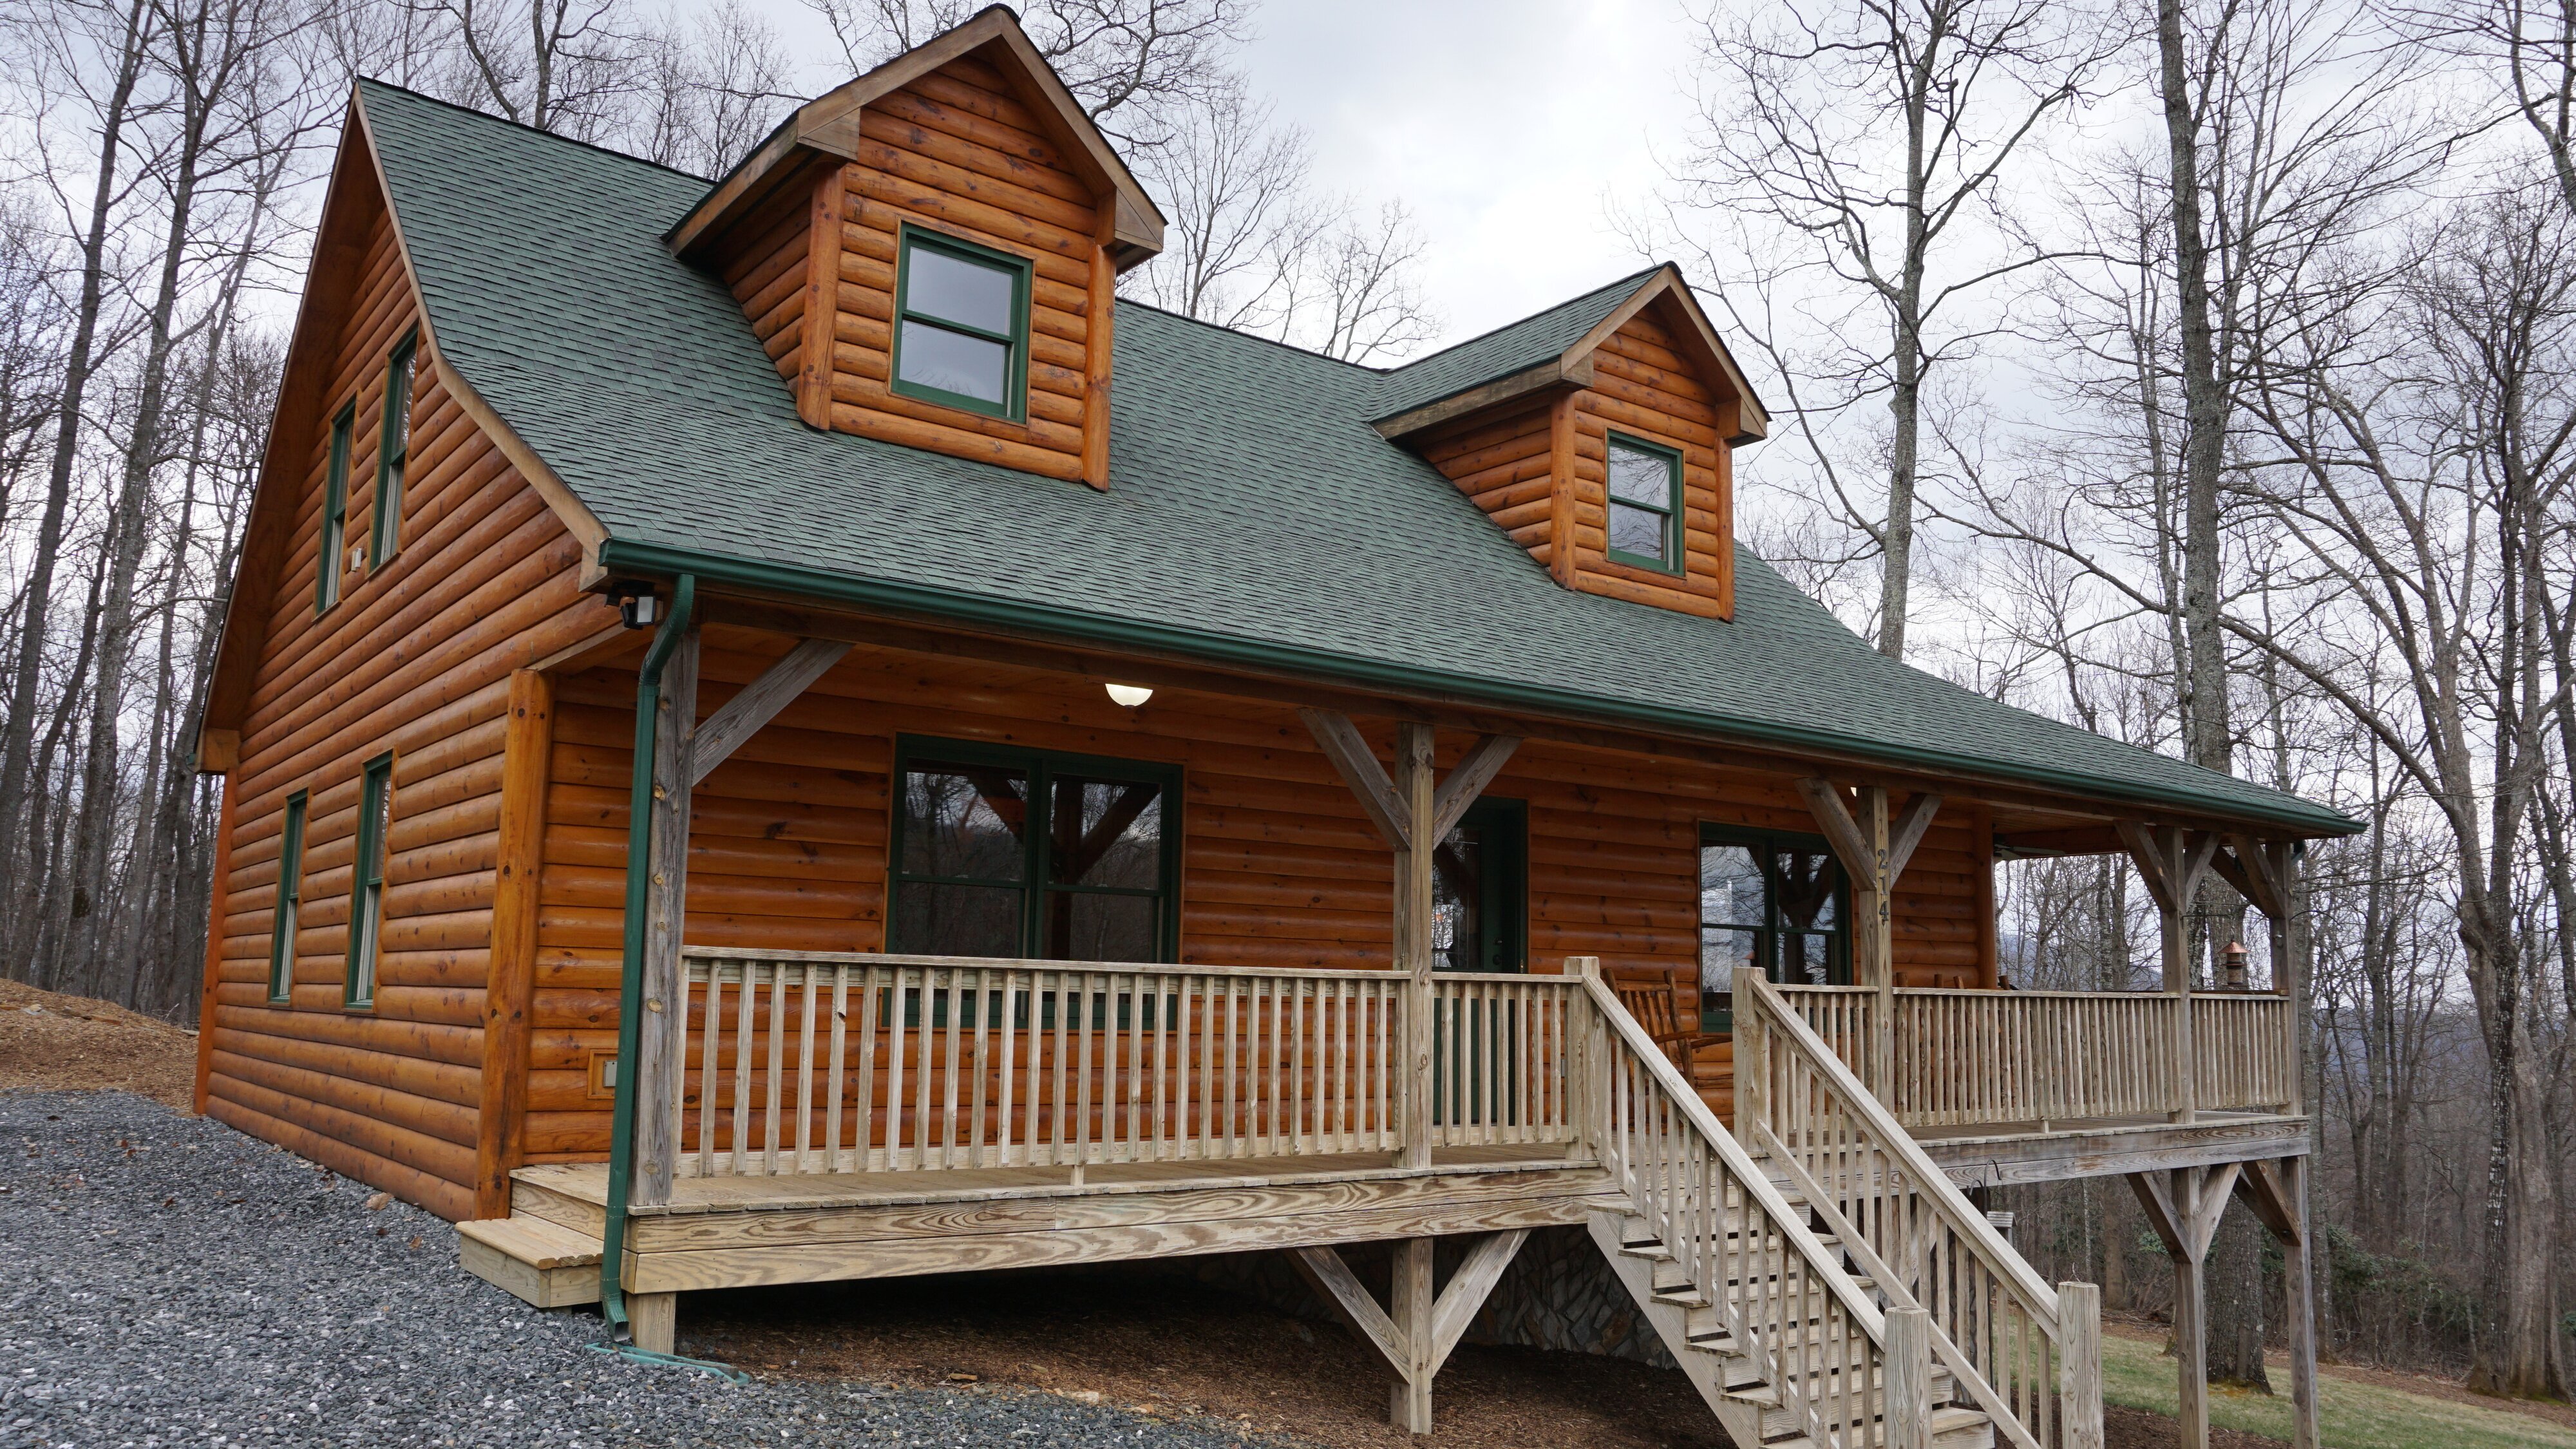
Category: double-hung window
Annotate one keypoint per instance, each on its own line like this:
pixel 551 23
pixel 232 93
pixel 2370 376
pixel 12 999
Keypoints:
pixel 367 883
pixel 1645 503
pixel 393 454
pixel 290 901
pixel 1771 899
pixel 1479 889
pixel 961 335
pixel 1023 853
pixel 335 511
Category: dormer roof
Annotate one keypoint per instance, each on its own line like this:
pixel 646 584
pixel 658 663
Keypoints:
pixel 827 127
pixel 1552 349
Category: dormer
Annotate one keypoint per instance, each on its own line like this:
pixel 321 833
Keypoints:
pixel 1600 435
pixel 930 255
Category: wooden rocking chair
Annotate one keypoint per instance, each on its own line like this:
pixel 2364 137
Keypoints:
pixel 1654 995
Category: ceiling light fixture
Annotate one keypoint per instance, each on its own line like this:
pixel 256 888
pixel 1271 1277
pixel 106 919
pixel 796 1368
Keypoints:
pixel 1130 695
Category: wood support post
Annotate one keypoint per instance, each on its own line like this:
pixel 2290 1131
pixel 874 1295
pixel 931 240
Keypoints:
pixel 822 297
pixel 510 981
pixel 2183 1206
pixel 1752 1054
pixel 2171 862
pixel 1413 814
pixel 1413 921
pixel 218 898
pixel 2079 1364
pixel 1416 1333
pixel 1909 1378
pixel 663 1032
pixel 1873 852
pixel 655 1319
pixel 2277 1194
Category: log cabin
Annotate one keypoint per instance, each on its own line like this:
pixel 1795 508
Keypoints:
pixel 779 731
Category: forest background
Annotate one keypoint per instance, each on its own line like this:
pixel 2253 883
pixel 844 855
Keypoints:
pixel 2199 371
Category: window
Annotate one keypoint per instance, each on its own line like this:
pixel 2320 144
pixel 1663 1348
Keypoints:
pixel 1479 889
pixel 1773 900
pixel 335 510
pixel 1645 504
pixel 1018 853
pixel 393 454
pixel 290 900
pixel 367 883
pixel 962 325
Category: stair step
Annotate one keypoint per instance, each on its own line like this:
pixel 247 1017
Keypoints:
pixel 544 1263
pixel 1952 1428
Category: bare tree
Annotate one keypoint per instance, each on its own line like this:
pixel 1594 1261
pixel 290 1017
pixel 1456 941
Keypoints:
pixel 1870 138
pixel 713 90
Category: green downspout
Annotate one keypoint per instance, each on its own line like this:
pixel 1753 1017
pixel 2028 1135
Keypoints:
pixel 630 994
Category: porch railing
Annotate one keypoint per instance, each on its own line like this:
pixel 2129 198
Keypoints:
pixel 1995 1323
pixel 1972 1058
pixel 802 1062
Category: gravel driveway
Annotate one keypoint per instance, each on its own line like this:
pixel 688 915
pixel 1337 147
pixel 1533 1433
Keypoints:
pixel 166 1280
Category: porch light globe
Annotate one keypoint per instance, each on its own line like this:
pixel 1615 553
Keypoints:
pixel 1130 695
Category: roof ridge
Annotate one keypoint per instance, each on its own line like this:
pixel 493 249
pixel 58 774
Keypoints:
pixel 1498 330
pixel 462 109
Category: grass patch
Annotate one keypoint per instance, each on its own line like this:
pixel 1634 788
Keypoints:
pixel 2351 1415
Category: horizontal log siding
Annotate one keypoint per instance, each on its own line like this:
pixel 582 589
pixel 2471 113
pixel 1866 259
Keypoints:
pixel 414 658
pixel 1278 866
pixel 1501 463
pixel 765 271
pixel 1642 386
pixel 957 152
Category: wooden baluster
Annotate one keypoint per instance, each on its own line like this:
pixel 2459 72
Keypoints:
pixel 710 1032
pixel 805 1073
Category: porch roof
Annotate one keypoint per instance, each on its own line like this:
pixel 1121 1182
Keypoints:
pixel 1254 516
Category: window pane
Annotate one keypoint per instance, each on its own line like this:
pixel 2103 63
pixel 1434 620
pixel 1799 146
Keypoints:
pixel 1640 476
pixel 1721 950
pixel 1807 881
pixel 1083 927
pixel 1806 959
pixel 1730 887
pixel 957 920
pixel 1457 900
pixel 955 362
pixel 965 820
pixel 1635 531
pixel 976 294
pixel 1106 833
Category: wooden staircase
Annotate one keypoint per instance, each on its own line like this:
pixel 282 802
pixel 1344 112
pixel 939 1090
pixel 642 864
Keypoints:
pixel 1732 1373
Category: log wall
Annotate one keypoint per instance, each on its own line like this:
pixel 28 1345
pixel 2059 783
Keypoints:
pixel 415 658
pixel 1279 868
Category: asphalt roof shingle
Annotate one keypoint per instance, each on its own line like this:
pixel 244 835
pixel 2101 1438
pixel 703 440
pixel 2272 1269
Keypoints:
pixel 1253 512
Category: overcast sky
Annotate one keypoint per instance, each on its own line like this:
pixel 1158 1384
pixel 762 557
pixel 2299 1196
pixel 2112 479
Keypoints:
pixel 1506 125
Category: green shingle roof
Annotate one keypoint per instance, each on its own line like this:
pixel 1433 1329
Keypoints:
pixel 1513 348
pixel 1254 516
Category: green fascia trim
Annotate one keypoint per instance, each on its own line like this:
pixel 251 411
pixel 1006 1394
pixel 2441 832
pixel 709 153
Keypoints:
pixel 662 561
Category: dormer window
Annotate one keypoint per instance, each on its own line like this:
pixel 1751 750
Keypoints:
pixel 962 336
pixel 1645 504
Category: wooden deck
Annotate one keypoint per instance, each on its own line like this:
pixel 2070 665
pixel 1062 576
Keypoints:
pixel 2002 1154
pixel 732 1232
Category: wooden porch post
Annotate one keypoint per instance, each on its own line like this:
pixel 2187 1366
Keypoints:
pixel 1413 919
pixel 2276 1193
pixel 1416 1338
pixel 2183 1206
pixel 1414 817
pixel 2171 861
pixel 1874 854
pixel 660 1043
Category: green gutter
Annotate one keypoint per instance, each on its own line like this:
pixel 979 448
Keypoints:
pixel 620 556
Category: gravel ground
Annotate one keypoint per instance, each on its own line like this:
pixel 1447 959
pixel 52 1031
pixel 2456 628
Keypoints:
pixel 165 1280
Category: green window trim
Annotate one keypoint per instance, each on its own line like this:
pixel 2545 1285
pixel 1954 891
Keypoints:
pixel 335 511
pixel 1502 911
pixel 393 453
pixel 367 885
pixel 1014 403
pixel 1035 885
pixel 290 902
pixel 1672 558
pixel 1766 846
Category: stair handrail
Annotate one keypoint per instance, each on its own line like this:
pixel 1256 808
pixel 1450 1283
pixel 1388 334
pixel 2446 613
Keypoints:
pixel 1758 1189
pixel 1884 1135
